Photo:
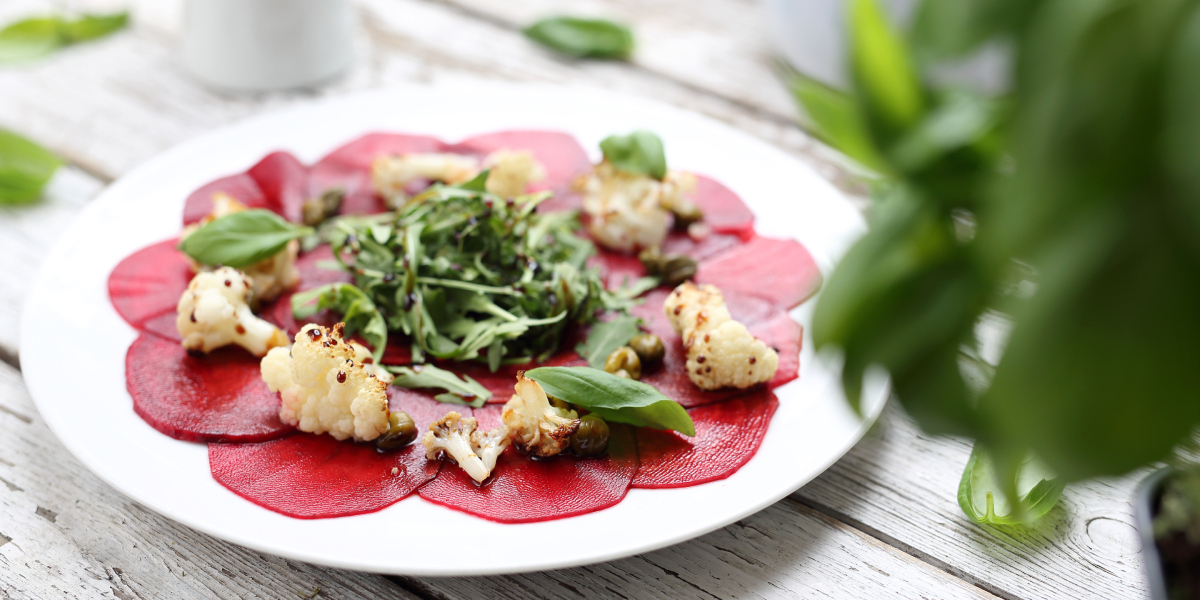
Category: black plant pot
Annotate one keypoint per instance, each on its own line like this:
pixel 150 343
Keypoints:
pixel 1158 558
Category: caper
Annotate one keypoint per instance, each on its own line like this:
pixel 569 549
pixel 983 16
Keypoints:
pixel 677 268
pixel 591 438
pixel 401 432
pixel 686 212
pixel 623 374
pixel 316 210
pixel 624 359
pixel 652 260
pixel 649 348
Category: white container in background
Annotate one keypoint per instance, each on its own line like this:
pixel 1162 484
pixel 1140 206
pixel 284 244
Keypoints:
pixel 260 45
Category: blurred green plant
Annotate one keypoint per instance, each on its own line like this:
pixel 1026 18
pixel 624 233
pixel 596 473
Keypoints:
pixel 36 37
pixel 25 167
pixel 1069 208
pixel 583 38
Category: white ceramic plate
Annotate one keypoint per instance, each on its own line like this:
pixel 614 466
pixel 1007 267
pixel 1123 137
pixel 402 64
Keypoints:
pixel 74 343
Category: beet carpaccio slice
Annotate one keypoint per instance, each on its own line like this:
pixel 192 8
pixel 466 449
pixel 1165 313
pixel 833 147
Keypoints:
pixel 728 435
pixel 278 182
pixel 218 397
pixel 724 211
pixel 145 287
pixel 780 271
pixel 309 476
pixel 349 167
pixel 559 153
pixel 524 490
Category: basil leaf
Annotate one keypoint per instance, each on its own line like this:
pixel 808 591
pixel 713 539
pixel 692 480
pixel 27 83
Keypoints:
pixel 25 167
pixel 639 153
pixel 614 398
pixel 357 309
pixel 606 337
pixel 465 391
pixel 582 38
pixel 90 27
pixel 984 500
pixel 242 238
pixel 36 37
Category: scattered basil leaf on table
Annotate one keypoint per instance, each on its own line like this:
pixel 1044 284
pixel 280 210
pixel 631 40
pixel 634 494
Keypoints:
pixel 582 38
pixel 242 238
pixel 613 398
pixel 25 167
pixel 465 391
pixel 36 37
pixel 639 153
pixel 606 337
pixel 982 497
pixel 356 308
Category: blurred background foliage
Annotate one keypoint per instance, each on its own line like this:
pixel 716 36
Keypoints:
pixel 1062 216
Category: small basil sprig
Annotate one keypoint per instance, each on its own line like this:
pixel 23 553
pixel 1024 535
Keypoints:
pixel 606 337
pixel 358 312
pixel 465 391
pixel 984 499
pixel 582 38
pixel 36 37
pixel 613 398
pixel 639 153
pixel 241 239
pixel 25 167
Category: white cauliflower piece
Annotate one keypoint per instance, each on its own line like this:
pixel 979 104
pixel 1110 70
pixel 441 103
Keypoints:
pixel 720 351
pixel 537 427
pixel 368 363
pixel 214 311
pixel 324 389
pixel 391 174
pixel 474 451
pixel 512 172
pixel 628 212
pixel 269 277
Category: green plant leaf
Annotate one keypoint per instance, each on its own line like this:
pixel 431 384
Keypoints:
pixel 883 72
pixel 639 153
pixel 36 37
pixel 478 184
pixel 90 27
pixel 241 239
pixel 836 118
pixel 606 337
pixel 582 38
pixel 465 391
pixel 25 167
pixel 985 499
pixel 614 398
pixel 358 312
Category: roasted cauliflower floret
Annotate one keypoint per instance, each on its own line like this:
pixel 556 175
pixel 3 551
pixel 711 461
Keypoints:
pixel 474 451
pixel 537 427
pixel 214 311
pixel 368 363
pixel 324 388
pixel 720 351
pixel 627 212
pixel 392 174
pixel 512 172
pixel 269 277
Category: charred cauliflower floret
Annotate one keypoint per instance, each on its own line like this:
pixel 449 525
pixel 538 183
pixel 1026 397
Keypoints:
pixel 392 174
pixel 626 211
pixel 214 311
pixel 269 277
pixel 324 388
pixel 720 351
pixel 368 363
pixel 474 451
pixel 537 427
pixel 512 172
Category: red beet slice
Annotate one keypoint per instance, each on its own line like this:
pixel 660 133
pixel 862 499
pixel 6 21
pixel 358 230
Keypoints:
pixel 783 334
pixel 708 247
pixel 728 435
pixel 522 490
pixel 560 154
pixel 214 398
pixel 284 182
pixel 723 210
pixel 310 476
pixel 780 271
pixel 241 186
pixel 349 168
pixel 145 287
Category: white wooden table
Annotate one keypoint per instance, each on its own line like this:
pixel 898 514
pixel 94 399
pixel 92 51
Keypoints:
pixel 881 523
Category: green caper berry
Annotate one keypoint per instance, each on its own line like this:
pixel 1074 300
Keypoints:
pixel 316 210
pixel 401 432
pixel 649 348
pixel 591 439
pixel 677 269
pixel 624 359
pixel 651 259
pixel 686 212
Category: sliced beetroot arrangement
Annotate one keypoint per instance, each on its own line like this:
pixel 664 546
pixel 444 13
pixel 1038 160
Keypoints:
pixel 145 287
pixel 724 211
pixel 213 398
pixel 278 182
pixel 242 187
pixel 784 334
pixel 780 271
pixel 523 490
pixel 728 435
pixel 349 167
pixel 559 153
